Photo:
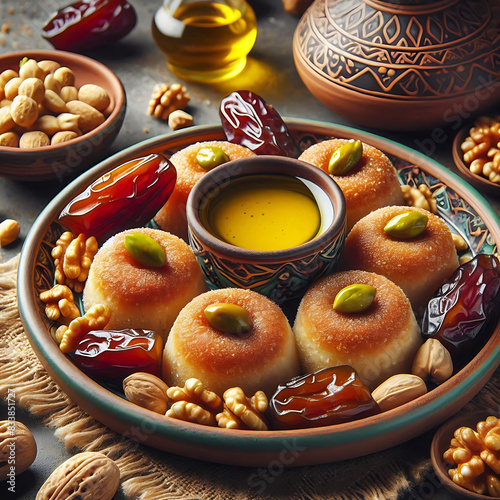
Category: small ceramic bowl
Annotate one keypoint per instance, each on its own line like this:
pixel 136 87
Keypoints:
pixel 279 274
pixel 67 159
pixel 478 181
pixel 441 442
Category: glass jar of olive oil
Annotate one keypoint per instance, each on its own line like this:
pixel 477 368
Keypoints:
pixel 205 41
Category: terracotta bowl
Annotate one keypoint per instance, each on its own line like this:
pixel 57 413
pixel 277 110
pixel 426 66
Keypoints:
pixel 478 181
pixel 400 64
pixel 280 275
pixel 67 159
pixel 464 209
pixel 441 442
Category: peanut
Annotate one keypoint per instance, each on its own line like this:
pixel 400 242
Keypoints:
pixel 65 76
pixel 12 87
pixel 6 121
pixel 47 124
pixel 68 121
pixel 50 83
pixel 34 100
pixel 90 118
pixel 9 231
pixel 48 66
pixel 54 102
pixel 63 136
pixel 34 88
pixel 9 139
pixel 24 111
pixel 29 69
pixel 7 75
pixel 35 139
pixel 69 93
pixel 179 119
pixel 95 96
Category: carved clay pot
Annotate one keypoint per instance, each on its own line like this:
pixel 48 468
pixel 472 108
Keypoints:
pixel 401 64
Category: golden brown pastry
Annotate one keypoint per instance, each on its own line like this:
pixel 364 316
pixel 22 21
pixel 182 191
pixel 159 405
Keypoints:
pixel 258 360
pixel 141 296
pixel 172 216
pixel 419 265
pixel 371 184
pixel 378 342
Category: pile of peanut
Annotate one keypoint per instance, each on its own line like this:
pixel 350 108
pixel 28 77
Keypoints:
pixel 40 105
pixel 481 148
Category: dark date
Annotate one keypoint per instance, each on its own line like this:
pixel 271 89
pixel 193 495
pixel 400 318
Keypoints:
pixel 89 24
pixel 115 354
pixel 128 196
pixel 249 121
pixel 460 312
pixel 330 396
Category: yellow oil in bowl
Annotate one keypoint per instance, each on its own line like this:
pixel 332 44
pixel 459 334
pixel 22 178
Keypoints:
pixel 262 212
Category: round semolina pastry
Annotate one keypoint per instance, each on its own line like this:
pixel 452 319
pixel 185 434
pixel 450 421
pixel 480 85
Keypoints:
pixel 140 296
pixel 419 265
pixel 258 360
pixel 371 184
pixel 172 216
pixel 378 342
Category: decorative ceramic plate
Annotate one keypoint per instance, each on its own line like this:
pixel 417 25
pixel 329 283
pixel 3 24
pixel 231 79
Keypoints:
pixel 463 208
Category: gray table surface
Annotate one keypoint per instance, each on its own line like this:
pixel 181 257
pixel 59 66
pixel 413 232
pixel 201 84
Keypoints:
pixel 270 72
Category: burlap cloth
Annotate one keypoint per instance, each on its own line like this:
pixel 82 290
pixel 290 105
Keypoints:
pixel 401 472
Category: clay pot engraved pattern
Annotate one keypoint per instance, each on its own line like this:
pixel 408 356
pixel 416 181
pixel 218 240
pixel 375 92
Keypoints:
pixel 406 51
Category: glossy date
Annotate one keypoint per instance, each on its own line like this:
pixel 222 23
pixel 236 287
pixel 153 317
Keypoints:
pixel 459 313
pixel 249 121
pixel 89 24
pixel 126 197
pixel 115 354
pixel 330 396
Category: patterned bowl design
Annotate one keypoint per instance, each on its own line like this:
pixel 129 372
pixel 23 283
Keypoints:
pixel 464 209
pixel 400 65
pixel 280 275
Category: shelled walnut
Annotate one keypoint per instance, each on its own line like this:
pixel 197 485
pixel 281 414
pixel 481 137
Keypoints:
pixel 477 457
pixel 166 99
pixel 420 197
pixel 96 318
pixel 194 403
pixel 72 259
pixel 481 148
pixel 60 304
pixel 242 412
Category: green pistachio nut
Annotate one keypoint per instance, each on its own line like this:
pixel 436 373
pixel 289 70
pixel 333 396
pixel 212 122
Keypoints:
pixel 211 157
pixel 354 298
pixel 345 158
pixel 144 250
pixel 407 225
pixel 228 318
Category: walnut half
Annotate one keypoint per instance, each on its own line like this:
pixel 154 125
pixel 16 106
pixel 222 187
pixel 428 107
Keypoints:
pixel 476 455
